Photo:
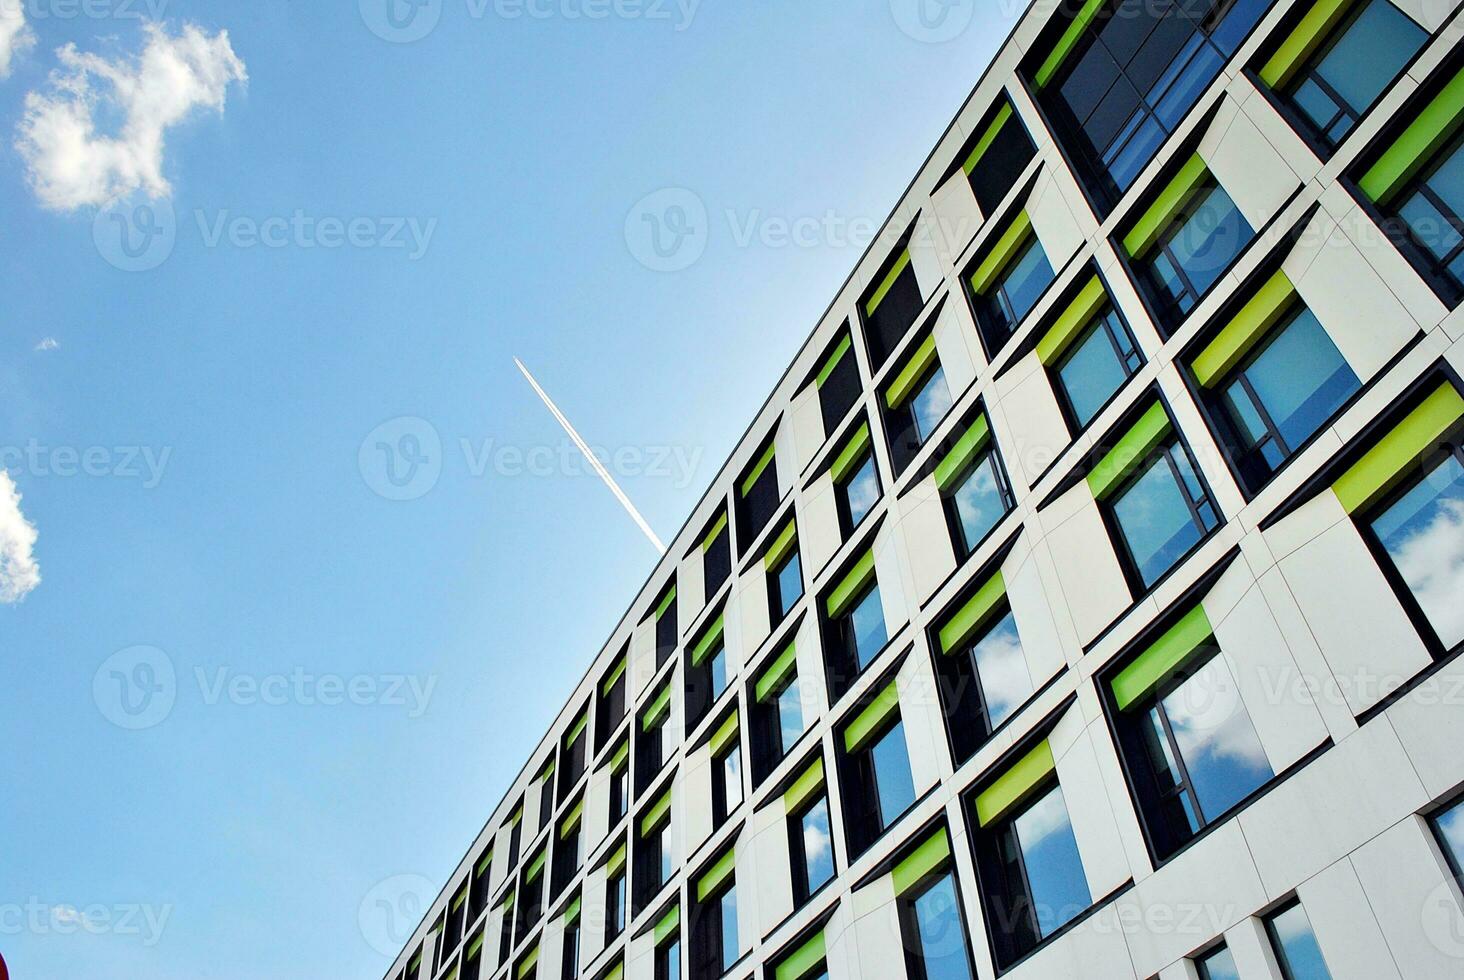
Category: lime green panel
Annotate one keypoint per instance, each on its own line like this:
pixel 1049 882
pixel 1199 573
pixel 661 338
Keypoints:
pixel 615 861
pixel 621 754
pixel 1238 337
pixel 1303 41
pixel 919 362
pixel 851 455
pixel 657 710
pixel 724 735
pixel 526 966
pixel 785 542
pixel 717 528
pixel 853 584
pixel 833 360
pixel 617 972
pixel 973 615
pixel 460 898
pixel 804 787
pixel 656 814
pixel 475 945
pixel 1161 214
pixel 665 603
pixel 536 866
pixel 1015 785
pixel 668 925
pixel 1412 150
pixel 571 819
pixel 750 480
pixel 615 674
pixel 1147 433
pixel 1160 661
pixel 1001 253
pixel 1066 43
pixel 484 863
pixel 777 671
pixel 578 728
pixel 802 961
pixel 572 912
pixel 714 878
pixel 709 640
pixel 929 857
pixel 888 282
pixel 885 704
pixel 1386 464
pixel 988 137
pixel 963 453
pixel 1072 321
pixel 415 963
pixel 451 974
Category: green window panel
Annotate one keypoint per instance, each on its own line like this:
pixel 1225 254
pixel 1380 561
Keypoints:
pixel 776 673
pixel 719 873
pixel 852 585
pixel 658 814
pixel 460 898
pixel 802 961
pixel 930 857
pixel 1000 255
pixel 668 925
pixel 665 602
pixel 851 455
pixel 993 130
pixel 616 972
pixel 536 867
pixel 526 965
pixel 1303 41
pixel 475 946
pixel 658 709
pixel 620 757
pixel 805 787
pixel 572 912
pixel 1158 217
pixel 1016 785
pixel 888 282
pixel 1264 310
pixel 571 820
pixel 615 674
pixel 750 480
pixel 1066 43
pixel 578 728
pixel 919 362
pixel 782 546
pixel 955 463
pixel 725 735
pixel 484 863
pixel 709 640
pixel 1136 445
pixel 1163 659
pixel 1072 321
pixel 973 615
pixel 717 527
pixel 615 861
pixel 1435 126
pixel 1385 465
pixel 833 360
pixel 885 705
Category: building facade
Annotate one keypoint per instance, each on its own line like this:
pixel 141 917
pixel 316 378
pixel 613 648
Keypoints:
pixel 1086 600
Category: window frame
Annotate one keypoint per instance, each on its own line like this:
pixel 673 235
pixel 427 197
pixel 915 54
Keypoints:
pixel 776 601
pixel 803 890
pixel 1448 286
pixel 954 714
pixel 722 805
pixel 996 299
pixel 1168 312
pixel 1278 948
pixel 954 525
pixel 1454 862
pixel 905 910
pixel 1107 508
pixel 1101 321
pixel 861 777
pixel 847 525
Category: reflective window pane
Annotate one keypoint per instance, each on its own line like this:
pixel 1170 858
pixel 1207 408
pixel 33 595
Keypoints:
pixel 1296 945
pixel 717 670
pixel 868 625
pixel 790 714
pixel 790 583
pixel 1025 280
pixel 1091 373
pixel 891 761
pixel 1219 965
pixel 979 502
pixel 1002 668
pixel 1423 533
pixel 942 935
pixel 862 491
pixel 730 947
pixel 818 845
pixel 1058 886
pixel 1217 741
pixel 732 778
pixel 1154 517
pixel 930 404
pixel 1208 241
pixel 1370 54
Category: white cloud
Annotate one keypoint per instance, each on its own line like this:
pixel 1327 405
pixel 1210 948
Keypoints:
pixel 19 572
pixel 15 36
pixel 70 164
pixel 48 343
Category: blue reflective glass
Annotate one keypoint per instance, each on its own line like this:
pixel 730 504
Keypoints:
pixel 1025 279
pixel 1429 226
pixel 1209 239
pixel 790 714
pixel 862 491
pixel 942 935
pixel 1370 54
pixel 1447 180
pixel 1219 965
pixel 818 845
pixel 790 583
pixel 891 760
pixel 1189 84
pixel 1001 667
pixel 730 948
pixel 930 404
pixel 1238 21
pixel 1296 945
pixel 979 503
pixel 717 669
pixel 1301 379
pixel 1450 824
pixel 1423 533
pixel 1155 520
pixel 1055 878
pixel 1217 741
pixel 1092 373
pixel 867 621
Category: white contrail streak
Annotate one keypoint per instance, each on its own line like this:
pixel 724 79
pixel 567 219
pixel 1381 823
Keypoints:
pixel 593 459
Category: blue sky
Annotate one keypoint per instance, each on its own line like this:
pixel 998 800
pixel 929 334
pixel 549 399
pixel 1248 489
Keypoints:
pixel 362 236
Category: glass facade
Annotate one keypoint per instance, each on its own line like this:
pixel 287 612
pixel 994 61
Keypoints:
pixel 1162 514
pixel 1422 532
pixel 1096 366
pixel 1194 252
pixel 1295 945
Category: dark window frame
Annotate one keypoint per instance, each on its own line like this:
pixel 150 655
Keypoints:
pixel 954 525
pixel 1447 286
pixel 1169 312
pixel 722 806
pixel 860 778
pixel 803 890
pixel 995 335
pixel 841 648
pixel 847 525
pixel 957 678
pixel 910 923
pixel 1132 363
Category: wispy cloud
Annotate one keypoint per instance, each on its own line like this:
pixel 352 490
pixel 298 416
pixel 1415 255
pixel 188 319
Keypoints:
pixel 15 35
pixel 19 573
pixel 70 164
pixel 48 343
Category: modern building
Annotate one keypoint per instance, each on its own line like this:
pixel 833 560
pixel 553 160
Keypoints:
pixel 1086 599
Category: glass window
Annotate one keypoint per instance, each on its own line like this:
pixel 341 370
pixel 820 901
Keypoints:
pixel 1348 74
pixel 731 951
pixel 1097 365
pixel 727 793
pixel 930 404
pixel 1423 533
pixel 1195 251
pixel 668 961
pixel 569 963
pixel 1284 393
pixel 717 669
pixel 939 940
pixel 790 715
pixel 978 503
pixel 1163 513
pixel 813 849
pixel 787 586
pixel 839 391
pixel 615 906
pixel 619 793
pixel 894 785
pixel 859 494
pixel 865 629
pixel 1001 670
pixel 1433 211
pixel 1449 826
pixel 1013 295
pixel 1217 965
pixel 717 562
pixel 1203 749
pixel 1295 945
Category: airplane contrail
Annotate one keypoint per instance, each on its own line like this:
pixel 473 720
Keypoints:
pixel 593 459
